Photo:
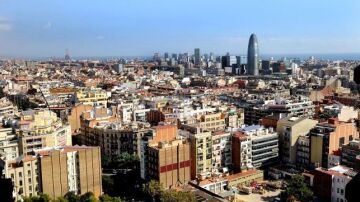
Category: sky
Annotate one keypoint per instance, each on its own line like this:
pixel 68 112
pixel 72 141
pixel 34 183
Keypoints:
pixel 45 28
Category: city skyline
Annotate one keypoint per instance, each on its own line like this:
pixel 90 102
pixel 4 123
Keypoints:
pixel 140 28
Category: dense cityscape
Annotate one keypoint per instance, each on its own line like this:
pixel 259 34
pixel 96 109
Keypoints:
pixel 196 124
pixel 218 128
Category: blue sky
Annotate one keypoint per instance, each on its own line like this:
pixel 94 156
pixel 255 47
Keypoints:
pixel 31 28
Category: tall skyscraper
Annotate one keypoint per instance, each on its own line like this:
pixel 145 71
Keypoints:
pixel 253 54
pixel 197 59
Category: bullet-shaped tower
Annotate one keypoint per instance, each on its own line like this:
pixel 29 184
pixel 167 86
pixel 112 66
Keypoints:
pixel 253 54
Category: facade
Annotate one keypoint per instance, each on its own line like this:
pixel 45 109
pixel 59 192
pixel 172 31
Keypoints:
pixel 9 148
pixel 349 153
pixel 241 152
pixel 74 116
pixel 252 57
pixel 201 153
pixel 254 146
pixel 93 97
pixel 330 184
pixel 327 138
pixel 212 121
pixel 56 171
pixel 41 128
pixel 169 163
pixel 289 130
pixel 7 109
pixel 296 106
pixel 221 150
pixel 303 152
pixel 103 128
pixel 197 56
pixel 264 145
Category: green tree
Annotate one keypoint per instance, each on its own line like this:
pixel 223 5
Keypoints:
pixel 107 198
pixel 177 196
pixel 61 199
pixel 40 198
pixel 88 197
pixel 153 189
pixel 126 161
pixel 72 197
pixel 297 188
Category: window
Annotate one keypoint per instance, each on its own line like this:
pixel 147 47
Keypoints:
pixel 342 192
pixel 20 174
pixel 337 190
pixel 20 183
pixel 341 141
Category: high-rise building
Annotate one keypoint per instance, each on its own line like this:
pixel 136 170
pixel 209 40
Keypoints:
pixel 197 56
pixel 166 56
pixel 253 54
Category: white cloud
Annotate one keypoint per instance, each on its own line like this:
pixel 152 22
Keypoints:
pixel 48 25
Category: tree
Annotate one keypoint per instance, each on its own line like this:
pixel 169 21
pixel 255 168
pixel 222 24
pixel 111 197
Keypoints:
pixel 40 198
pixel 175 196
pixel 72 197
pixel 107 198
pixel 60 199
pixel 126 161
pixel 153 189
pixel 298 189
pixel 88 197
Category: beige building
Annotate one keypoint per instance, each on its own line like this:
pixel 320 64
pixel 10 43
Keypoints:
pixel 169 163
pixel 74 117
pixel 289 130
pixel 212 121
pixel 93 97
pixel 201 153
pixel 9 148
pixel 41 128
pixel 327 138
pixel 102 127
pixel 56 171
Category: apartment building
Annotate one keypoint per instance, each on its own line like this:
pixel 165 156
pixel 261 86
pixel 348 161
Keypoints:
pixel 93 97
pixel 41 128
pixel 7 109
pixel 56 171
pixel 212 121
pixel 102 127
pixel 221 151
pixel 296 106
pixel 201 150
pixel 289 130
pixel 349 153
pixel 169 163
pixel 9 148
pixel 264 145
pixel 241 152
pixel 303 151
pixel 327 138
